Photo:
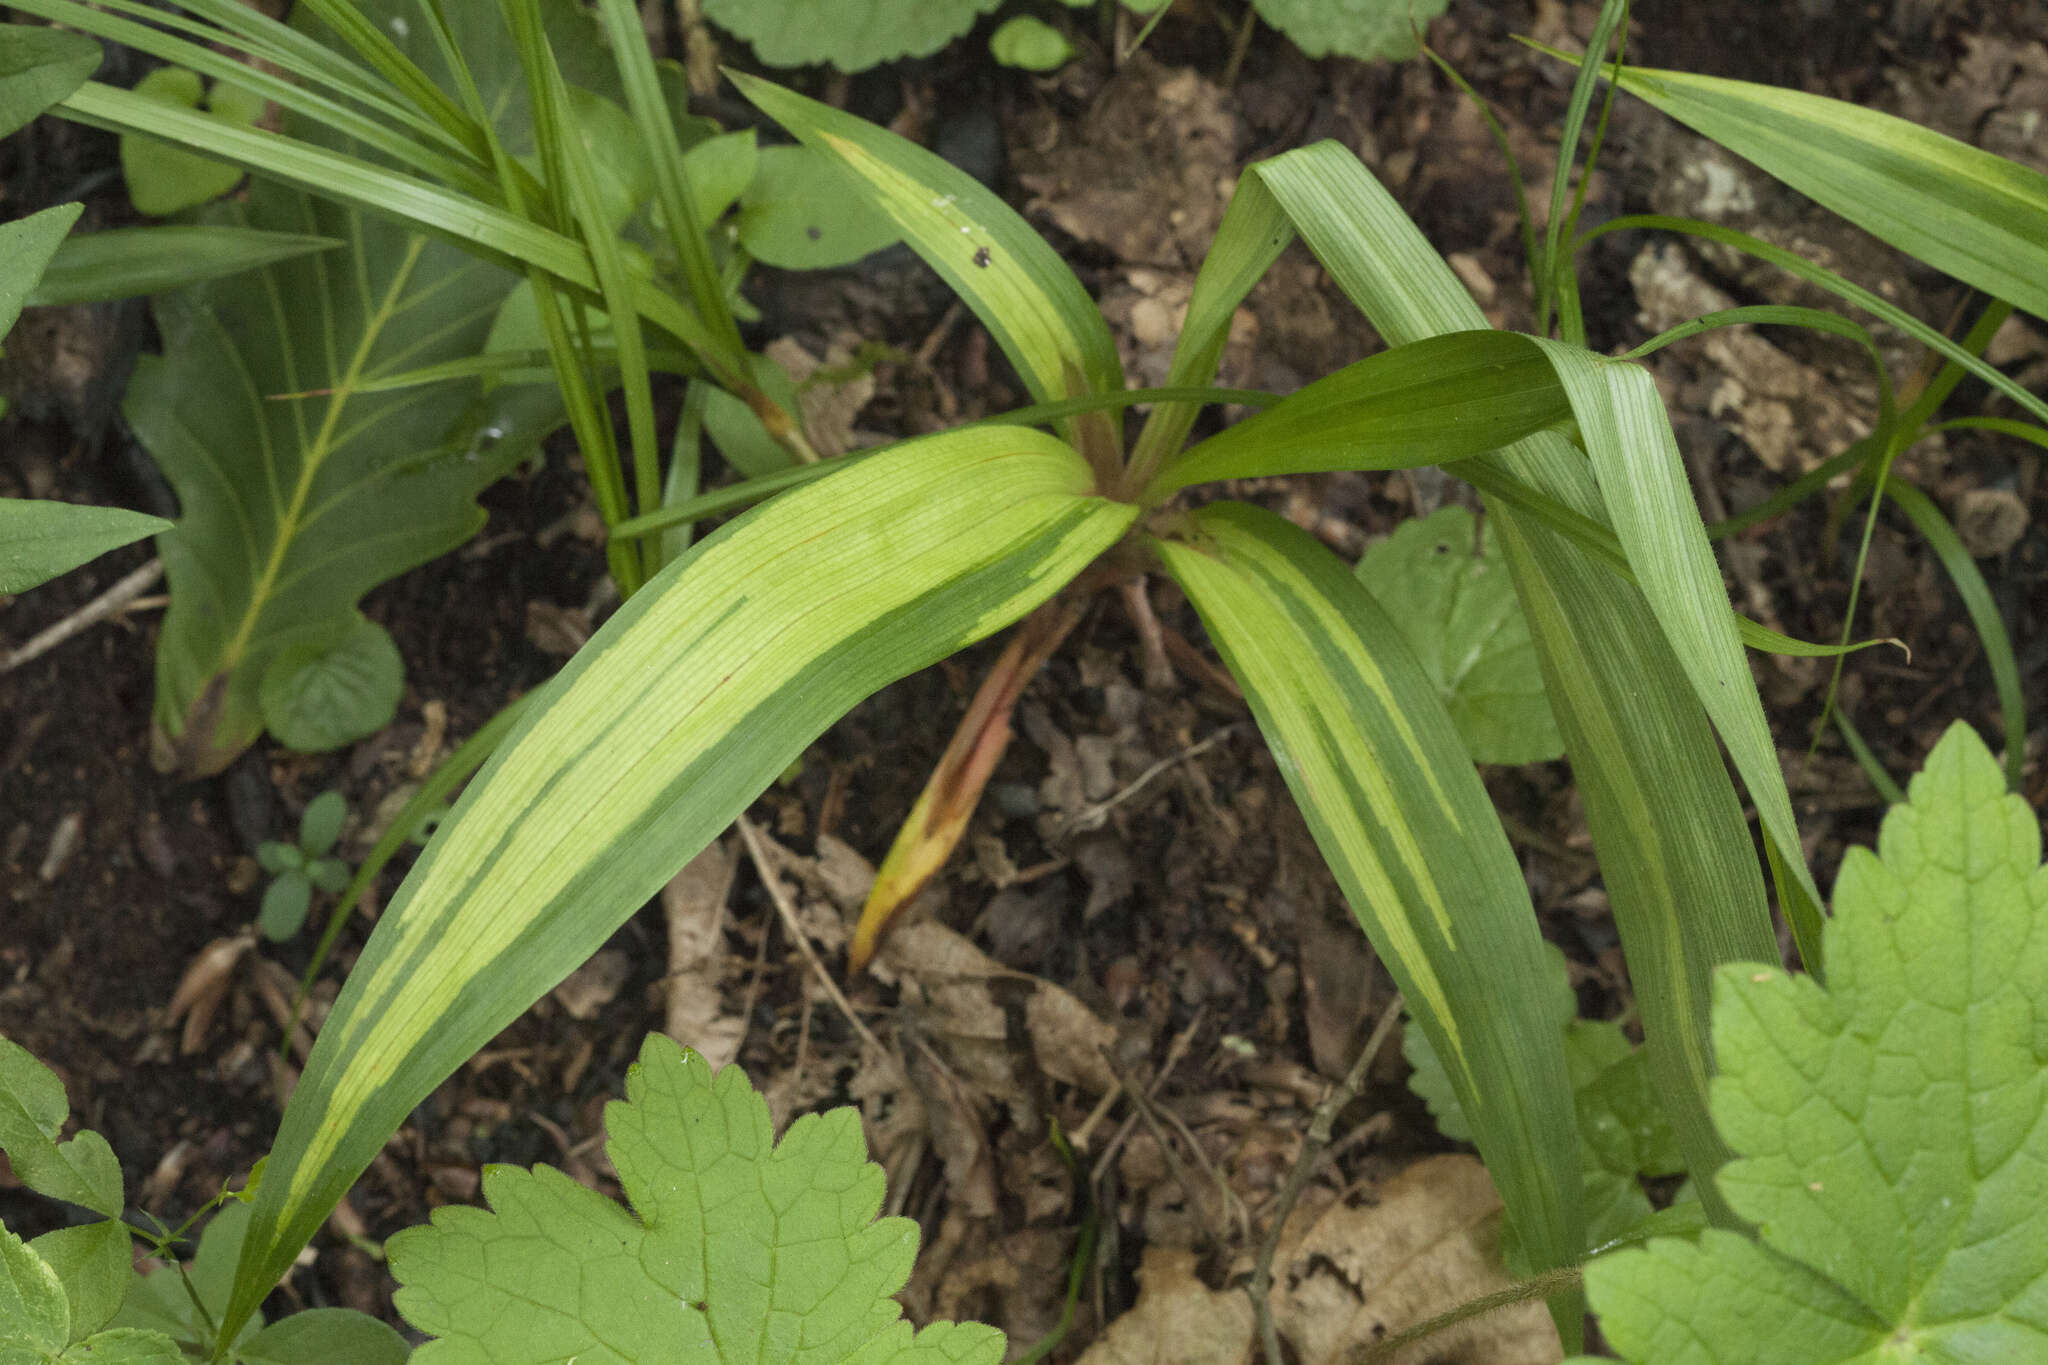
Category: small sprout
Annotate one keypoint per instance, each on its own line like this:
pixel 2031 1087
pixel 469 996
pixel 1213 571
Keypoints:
pixel 296 869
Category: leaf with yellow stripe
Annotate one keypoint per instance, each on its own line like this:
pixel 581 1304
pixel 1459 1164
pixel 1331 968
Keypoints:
pixel 1016 284
pixel 681 710
pixel 1405 824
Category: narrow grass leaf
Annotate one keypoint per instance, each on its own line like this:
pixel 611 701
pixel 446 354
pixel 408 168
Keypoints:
pixel 1431 401
pixel 1675 852
pixel 1405 824
pixel 680 711
pixel 38 67
pixel 126 262
pixel 1016 284
pixel 1964 211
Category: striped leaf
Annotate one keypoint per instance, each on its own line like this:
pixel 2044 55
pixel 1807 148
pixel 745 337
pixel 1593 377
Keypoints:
pixel 1017 285
pixel 1675 851
pixel 682 709
pixel 1402 819
pixel 1963 210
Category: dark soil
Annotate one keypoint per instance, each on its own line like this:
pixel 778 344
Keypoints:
pixel 1198 912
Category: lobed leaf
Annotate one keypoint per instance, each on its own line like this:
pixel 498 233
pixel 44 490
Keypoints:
pixel 850 34
pixel 738 1249
pixel 1406 826
pixel 675 715
pixel 1892 1128
pixel 82 1170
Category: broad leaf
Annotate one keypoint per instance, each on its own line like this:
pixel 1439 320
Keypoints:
pixel 1893 1128
pixel 1016 284
pixel 38 67
pixel 1676 854
pixel 165 180
pixel 319 694
pixel 1447 587
pixel 40 540
pixel 1366 29
pixel 800 211
pixel 95 1263
pixel 123 262
pixel 676 714
pixel 35 1320
pixel 1963 210
pixel 1405 824
pixel 32 1113
pixel 850 34
pixel 743 1250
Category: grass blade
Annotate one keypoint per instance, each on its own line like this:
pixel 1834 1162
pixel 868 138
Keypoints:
pixel 1402 819
pixel 125 262
pixel 679 711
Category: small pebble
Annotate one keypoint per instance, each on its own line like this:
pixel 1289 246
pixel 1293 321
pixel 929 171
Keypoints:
pixel 64 841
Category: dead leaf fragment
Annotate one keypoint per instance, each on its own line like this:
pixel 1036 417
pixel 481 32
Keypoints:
pixel 693 903
pixel 595 984
pixel 1178 1320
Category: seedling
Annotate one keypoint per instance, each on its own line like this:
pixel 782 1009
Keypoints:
pixel 296 869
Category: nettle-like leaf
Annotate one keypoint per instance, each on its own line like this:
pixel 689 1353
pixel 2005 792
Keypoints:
pixel 1365 29
pixel 743 1249
pixel 301 489
pixel 1892 1129
pixel 850 34
pixel 1448 589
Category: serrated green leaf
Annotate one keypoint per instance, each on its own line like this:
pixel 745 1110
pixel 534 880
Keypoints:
pixel 852 35
pixel 40 540
pixel 800 212
pixel 696 694
pixel 38 67
pixel 1965 211
pixel 1365 29
pixel 33 1314
pixel 26 247
pixel 744 1250
pixel 125 262
pixel 32 1113
pixel 163 180
pixel 285 902
pixel 94 1262
pixel 1405 824
pixel 317 695
pixel 1455 603
pixel 1892 1130
pixel 124 1346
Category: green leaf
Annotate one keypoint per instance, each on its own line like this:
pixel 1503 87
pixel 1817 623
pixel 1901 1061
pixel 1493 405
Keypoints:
pixel 1406 826
pixel 1015 284
pixel 285 902
pixel 32 1112
pixel 94 1262
pixel 320 823
pixel 123 262
pixel 33 1314
pixel 38 67
pixel 741 438
pixel 164 180
pixel 325 1336
pixel 317 695
pixel 1893 1128
pixel 1963 210
pixel 719 170
pixel 744 1250
pixel 1675 850
pixel 160 1301
pixel 850 34
pixel 275 856
pixel 1430 401
pixel 294 508
pixel 26 246
pixel 329 874
pixel 1449 591
pixel 801 212
pixel 1029 44
pixel 696 694
pixel 1365 29
pixel 40 540
pixel 124 1346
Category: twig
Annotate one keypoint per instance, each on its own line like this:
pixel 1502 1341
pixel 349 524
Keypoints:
pixel 1319 1130
pixel 786 908
pixel 1091 817
pixel 109 603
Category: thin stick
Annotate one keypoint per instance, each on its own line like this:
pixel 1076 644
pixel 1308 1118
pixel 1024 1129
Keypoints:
pixel 785 907
pixel 1090 817
pixel 109 603
pixel 1319 1129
